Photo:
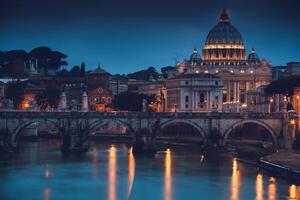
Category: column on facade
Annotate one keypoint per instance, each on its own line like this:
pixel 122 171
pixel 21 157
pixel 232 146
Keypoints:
pixel 197 99
pixel 191 100
pixel 238 91
pixel 207 100
pixel 228 91
pixel 210 100
pixel 247 88
pixel 234 91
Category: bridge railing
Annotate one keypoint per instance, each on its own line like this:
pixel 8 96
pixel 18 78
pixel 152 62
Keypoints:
pixel 32 113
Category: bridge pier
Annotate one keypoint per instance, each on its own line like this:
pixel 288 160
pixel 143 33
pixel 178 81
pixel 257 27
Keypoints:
pixel 72 142
pixel 144 142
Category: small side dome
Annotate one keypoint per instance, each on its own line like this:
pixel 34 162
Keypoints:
pixel 195 57
pixel 253 57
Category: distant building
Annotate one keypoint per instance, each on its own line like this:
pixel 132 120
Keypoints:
pixel 290 69
pixel 118 85
pixel 194 92
pixel 98 77
pixel 100 99
pixel 224 55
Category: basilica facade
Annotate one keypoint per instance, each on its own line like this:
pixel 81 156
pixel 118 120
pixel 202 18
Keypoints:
pixel 224 57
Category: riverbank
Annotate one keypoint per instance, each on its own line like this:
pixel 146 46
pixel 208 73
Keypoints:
pixel 284 163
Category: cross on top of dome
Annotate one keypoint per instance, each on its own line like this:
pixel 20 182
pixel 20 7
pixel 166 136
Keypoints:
pixel 224 16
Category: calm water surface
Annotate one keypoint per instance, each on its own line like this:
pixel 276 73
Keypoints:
pixel 110 171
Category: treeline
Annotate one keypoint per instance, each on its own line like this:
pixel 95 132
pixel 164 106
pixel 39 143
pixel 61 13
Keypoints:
pixel 16 63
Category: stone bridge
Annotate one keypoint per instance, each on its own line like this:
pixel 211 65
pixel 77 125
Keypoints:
pixel 75 127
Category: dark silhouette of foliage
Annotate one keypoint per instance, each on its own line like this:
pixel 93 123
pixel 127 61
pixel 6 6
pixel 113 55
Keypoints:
pixel 165 69
pixel 145 74
pixel 14 63
pixel 15 92
pixel 75 71
pixel 50 96
pixel 131 101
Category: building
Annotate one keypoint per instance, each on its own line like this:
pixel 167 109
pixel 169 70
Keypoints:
pixel 118 84
pixel 224 55
pixel 194 92
pixel 290 69
pixel 100 99
pixel 98 77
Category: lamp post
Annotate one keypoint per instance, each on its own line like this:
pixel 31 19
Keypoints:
pixel 270 103
pixel 297 101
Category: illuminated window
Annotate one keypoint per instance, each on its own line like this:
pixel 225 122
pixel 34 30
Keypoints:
pixel 242 71
pixel 217 71
pixel 206 71
pixel 197 71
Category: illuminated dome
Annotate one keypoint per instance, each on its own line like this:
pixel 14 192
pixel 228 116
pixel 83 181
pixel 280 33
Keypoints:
pixel 224 42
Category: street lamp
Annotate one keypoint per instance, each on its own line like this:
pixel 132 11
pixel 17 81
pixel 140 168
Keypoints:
pixel 297 97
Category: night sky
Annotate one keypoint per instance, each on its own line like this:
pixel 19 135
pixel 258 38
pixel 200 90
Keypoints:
pixel 129 35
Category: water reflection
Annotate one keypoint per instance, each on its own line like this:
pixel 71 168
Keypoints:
pixel 293 193
pixel 95 159
pixel 168 176
pixel 235 181
pixel 259 187
pixel 48 171
pixel 131 171
pixel 46 193
pixel 272 189
pixel 112 173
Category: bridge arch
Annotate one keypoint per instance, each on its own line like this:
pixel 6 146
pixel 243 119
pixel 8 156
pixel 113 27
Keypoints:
pixel 258 123
pixel 185 122
pixel 102 122
pixel 16 132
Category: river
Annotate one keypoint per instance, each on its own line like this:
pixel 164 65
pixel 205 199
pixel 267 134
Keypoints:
pixel 111 172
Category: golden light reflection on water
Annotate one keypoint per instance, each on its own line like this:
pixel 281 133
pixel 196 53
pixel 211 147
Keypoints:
pixel 294 192
pixel 272 189
pixel 112 173
pixel 259 187
pixel 235 181
pixel 168 176
pixel 131 171
pixel 48 172
pixel 46 193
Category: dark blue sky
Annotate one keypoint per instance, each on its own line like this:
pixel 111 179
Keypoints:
pixel 129 35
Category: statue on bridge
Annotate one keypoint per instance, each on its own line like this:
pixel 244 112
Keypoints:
pixel 144 105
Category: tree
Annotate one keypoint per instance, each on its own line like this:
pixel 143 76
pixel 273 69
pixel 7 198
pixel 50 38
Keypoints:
pixel 145 74
pixel 44 59
pixel 15 92
pixel 38 58
pixel 50 96
pixel 75 71
pixel 131 101
pixel 13 63
pixel 82 69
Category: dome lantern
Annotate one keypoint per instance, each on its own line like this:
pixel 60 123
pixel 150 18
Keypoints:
pixel 224 16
